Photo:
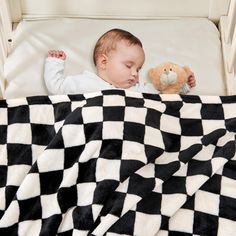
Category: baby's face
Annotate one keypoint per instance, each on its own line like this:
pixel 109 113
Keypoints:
pixel 123 65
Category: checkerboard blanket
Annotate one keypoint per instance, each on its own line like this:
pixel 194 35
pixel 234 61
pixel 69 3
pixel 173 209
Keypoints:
pixel 118 163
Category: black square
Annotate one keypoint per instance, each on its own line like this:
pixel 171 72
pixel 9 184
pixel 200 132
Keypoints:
pixel 103 191
pixel 74 117
pixel 191 127
pixel 115 113
pixel 120 92
pixel 153 118
pixel 57 142
pixel 227 151
pixel 67 198
pixel 83 218
pixel 18 114
pixel 227 208
pixel 72 155
pixel 3 103
pixel 30 209
pixel 42 134
pixel 230 169
pixel 76 97
pixel 125 225
pixel 93 131
pixel 153 97
pixel 140 186
pixel 134 102
pixel 3 134
pixel 10 194
pixel 213 185
pixel 134 132
pixel 212 112
pixel 191 99
pixel 10 230
pixel 171 142
pixel 175 184
pixel 173 108
pixel 152 153
pixel 190 203
pixel 50 181
pixel 196 167
pixel 94 101
pixel 61 110
pixel 87 171
pixel 19 154
pixel 33 100
pixel 111 149
pixel 3 176
pixel 151 204
pixel 205 224
pixel 50 225
pixel 230 125
pixel 128 167
pixel 187 154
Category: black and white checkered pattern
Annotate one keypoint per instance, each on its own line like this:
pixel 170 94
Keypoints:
pixel 118 163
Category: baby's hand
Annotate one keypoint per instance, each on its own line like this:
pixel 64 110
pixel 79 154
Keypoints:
pixel 191 81
pixel 57 54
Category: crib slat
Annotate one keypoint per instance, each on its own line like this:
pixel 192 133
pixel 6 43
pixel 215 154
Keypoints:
pixel 231 18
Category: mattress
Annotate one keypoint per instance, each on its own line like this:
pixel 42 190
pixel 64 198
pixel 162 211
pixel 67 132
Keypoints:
pixel 186 41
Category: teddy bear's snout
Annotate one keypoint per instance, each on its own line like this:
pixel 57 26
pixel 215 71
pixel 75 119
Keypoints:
pixel 168 77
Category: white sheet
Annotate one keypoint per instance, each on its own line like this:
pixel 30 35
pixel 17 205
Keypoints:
pixel 194 42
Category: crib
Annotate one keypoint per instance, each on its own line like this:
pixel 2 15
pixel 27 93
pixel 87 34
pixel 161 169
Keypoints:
pixel 117 162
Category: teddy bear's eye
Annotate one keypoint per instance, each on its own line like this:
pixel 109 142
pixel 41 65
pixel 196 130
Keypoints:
pixel 170 69
pixel 164 69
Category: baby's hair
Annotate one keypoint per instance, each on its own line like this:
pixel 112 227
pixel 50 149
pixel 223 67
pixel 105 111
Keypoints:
pixel 107 42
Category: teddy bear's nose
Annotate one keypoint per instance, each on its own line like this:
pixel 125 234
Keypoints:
pixel 166 71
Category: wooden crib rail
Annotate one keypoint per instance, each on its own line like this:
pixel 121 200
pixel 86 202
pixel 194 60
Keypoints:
pixel 228 35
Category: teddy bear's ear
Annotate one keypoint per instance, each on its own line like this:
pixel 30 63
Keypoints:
pixel 152 74
pixel 188 70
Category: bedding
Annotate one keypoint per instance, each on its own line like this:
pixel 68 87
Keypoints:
pixel 118 162
pixel 185 41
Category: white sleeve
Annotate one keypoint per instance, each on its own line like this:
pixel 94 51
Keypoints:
pixel 185 89
pixel 55 80
pixel 146 87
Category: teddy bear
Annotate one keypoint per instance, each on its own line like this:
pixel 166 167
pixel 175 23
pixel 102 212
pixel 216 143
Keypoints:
pixel 170 78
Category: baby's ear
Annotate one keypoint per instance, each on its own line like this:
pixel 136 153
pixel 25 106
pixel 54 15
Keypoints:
pixel 102 61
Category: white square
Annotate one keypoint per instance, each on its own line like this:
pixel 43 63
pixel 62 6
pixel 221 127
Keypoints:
pixel 49 205
pixel 92 114
pixel 30 227
pixel 133 94
pixel 146 224
pixel 171 202
pixel 207 202
pixel 37 150
pixel 76 104
pixel 226 227
pixel 70 176
pixel 51 160
pixel 135 114
pixel 3 154
pixel 113 100
pixel 159 106
pixel 212 125
pixel 194 182
pixel 42 114
pixel 16 102
pixel 59 98
pixel 92 94
pixel 16 173
pixel 153 137
pixel 191 111
pixel 91 150
pixel 3 198
pixel 170 124
pixel 85 192
pixel 170 97
pixel 30 187
pixel 228 111
pixel 113 130
pixel 133 151
pixel 182 221
pixel 58 125
pixel 210 99
pixel 19 133
pixel 228 187
pixel 73 135
pixel 3 116
pixel 77 232
pixel 67 222
pixel 107 169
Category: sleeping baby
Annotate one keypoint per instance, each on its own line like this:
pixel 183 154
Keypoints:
pixel 118 56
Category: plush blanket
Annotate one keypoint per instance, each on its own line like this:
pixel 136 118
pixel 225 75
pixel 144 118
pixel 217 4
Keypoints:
pixel 118 163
